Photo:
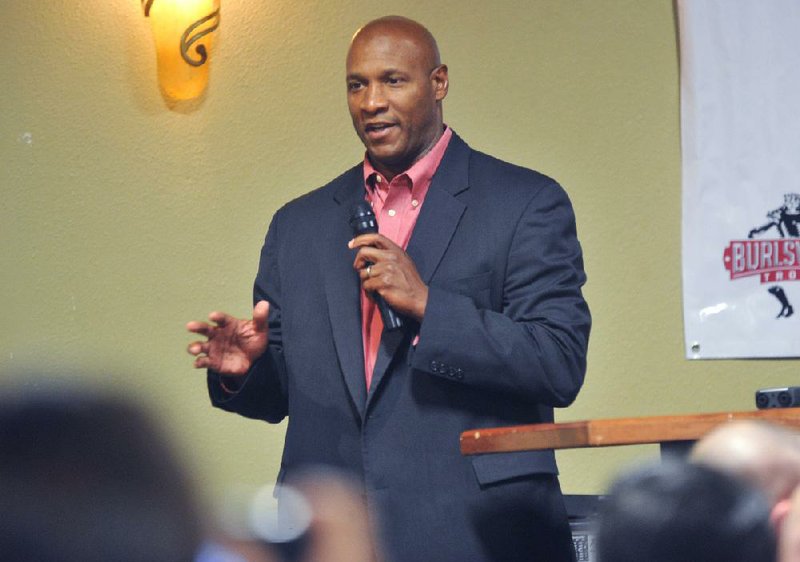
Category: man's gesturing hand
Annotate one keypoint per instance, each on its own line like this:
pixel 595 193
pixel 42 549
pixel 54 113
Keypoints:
pixel 232 344
pixel 392 274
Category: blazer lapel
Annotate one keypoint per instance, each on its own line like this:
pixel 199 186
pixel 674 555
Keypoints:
pixel 343 290
pixel 436 224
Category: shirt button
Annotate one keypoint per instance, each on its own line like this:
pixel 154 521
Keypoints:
pixel 414 203
pixel 392 212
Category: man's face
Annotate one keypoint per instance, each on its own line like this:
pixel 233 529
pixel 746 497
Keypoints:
pixel 393 90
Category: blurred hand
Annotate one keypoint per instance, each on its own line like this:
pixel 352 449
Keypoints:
pixel 232 344
pixel 340 528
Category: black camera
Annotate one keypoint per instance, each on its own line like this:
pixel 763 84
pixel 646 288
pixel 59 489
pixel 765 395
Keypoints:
pixel 786 397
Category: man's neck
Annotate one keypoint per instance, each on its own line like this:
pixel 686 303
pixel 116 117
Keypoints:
pixel 389 172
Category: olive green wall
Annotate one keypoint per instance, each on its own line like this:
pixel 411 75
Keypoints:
pixel 122 218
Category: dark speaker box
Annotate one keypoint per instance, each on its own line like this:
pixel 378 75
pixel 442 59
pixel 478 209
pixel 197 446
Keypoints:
pixel 786 397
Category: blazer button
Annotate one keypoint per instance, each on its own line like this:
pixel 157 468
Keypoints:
pixel 459 374
pixel 434 366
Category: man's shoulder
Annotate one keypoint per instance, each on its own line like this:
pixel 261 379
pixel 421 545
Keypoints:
pixel 325 195
pixel 487 168
pixel 499 184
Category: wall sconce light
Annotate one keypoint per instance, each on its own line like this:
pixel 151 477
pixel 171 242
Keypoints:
pixel 183 33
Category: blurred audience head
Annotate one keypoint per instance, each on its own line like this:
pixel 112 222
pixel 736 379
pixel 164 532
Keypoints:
pixel 681 512
pixel 87 476
pixel 765 454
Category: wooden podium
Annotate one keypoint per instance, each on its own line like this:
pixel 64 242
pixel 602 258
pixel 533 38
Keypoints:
pixel 674 434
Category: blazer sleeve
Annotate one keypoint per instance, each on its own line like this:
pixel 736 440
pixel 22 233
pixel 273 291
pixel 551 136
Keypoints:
pixel 263 393
pixel 535 345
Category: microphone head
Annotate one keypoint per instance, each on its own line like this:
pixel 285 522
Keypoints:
pixel 362 219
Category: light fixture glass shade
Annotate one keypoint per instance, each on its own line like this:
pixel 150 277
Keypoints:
pixel 183 34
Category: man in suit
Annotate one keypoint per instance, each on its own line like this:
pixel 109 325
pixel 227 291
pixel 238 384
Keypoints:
pixel 480 259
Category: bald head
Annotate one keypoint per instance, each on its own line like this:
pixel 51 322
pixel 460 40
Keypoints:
pixel 399 28
pixel 767 455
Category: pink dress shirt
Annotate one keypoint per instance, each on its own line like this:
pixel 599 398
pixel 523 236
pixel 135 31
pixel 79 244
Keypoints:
pixel 396 205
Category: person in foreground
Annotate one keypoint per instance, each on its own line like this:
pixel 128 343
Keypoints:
pixel 88 476
pixel 767 456
pixel 682 512
pixel 481 261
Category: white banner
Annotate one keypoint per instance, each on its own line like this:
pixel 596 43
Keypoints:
pixel 740 123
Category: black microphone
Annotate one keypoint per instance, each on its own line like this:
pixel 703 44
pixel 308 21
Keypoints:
pixel 362 221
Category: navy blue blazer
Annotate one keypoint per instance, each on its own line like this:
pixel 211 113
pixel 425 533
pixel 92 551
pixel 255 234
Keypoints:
pixel 503 341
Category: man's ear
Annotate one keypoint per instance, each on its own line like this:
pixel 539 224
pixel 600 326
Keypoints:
pixel 440 81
